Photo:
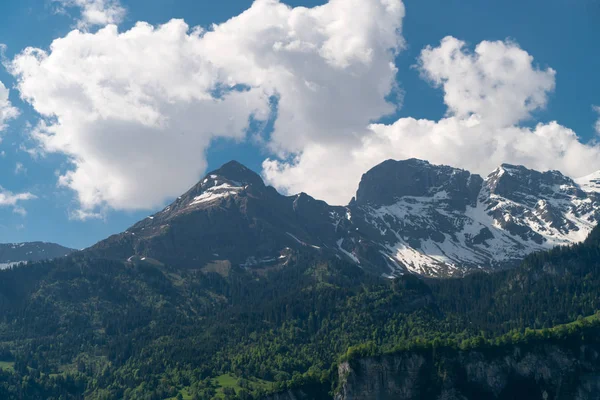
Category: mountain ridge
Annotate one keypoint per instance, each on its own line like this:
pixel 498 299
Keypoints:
pixel 16 253
pixel 408 216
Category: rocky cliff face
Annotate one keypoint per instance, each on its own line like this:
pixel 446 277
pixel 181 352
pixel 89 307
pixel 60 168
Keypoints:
pixel 306 393
pixel 541 372
pixel 441 221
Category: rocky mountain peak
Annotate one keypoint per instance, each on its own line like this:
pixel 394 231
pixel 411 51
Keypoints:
pixel 392 180
pixel 520 184
pixel 236 172
pixel 408 216
pixel 439 220
pixel 217 186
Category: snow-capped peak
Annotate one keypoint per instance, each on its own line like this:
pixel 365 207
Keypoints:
pixel 450 221
pixel 407 216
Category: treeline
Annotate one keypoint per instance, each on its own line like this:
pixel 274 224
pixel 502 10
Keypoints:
pixel 584 329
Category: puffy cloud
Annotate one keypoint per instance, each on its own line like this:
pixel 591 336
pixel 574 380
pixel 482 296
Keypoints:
pixel 498 82
pixel 487 94
pixel 7 111
pixel 96 12
pixel 135 111
pixel 330 66
pixel 9 199
pixel 597 109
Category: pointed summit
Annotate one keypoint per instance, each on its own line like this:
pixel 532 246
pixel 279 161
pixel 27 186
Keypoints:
pixel 236 172
pixel 229 180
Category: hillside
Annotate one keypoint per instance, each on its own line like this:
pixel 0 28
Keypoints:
pixel 106 329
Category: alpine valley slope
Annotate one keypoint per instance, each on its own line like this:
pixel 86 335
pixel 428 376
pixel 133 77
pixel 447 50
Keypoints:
pixel 407 216
pixel 17 253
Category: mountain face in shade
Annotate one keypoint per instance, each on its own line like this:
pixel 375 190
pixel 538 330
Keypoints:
pixel 16 253
pixel 230 217
pixel 407 216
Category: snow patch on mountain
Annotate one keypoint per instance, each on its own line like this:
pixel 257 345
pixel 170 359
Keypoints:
pixel 10 264
pixel 213 188
pixel 216 192
pixel 346 252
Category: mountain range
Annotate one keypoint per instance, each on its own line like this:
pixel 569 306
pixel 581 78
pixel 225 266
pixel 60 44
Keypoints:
pixel 407 216
pixel 235 291
pixel 16 253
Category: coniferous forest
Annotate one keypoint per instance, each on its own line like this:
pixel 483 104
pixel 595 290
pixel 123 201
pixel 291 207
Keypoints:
pixel 80 327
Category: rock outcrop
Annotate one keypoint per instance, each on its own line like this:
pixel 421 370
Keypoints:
pixel 544 372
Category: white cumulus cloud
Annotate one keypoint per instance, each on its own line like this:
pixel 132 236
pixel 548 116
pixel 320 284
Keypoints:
pixel 597 126
pixel 135 111
pixel 498 82
pixel 96 12
pixel 487 92
pixel 330 66
pixel 10 199
pixel 7 111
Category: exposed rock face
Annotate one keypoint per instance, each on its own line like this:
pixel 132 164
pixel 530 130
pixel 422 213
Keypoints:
pixel 542 372
pixel 387 377
pixel 305 393
pixel 16 253
pixel 289 395
pixel 408 216
pixel 537 199
pixel 441 221
pixel 392 180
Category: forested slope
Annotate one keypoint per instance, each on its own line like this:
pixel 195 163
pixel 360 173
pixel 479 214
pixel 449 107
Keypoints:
pixel 82 327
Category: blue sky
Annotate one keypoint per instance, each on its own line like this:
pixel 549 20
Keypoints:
pixel 558 34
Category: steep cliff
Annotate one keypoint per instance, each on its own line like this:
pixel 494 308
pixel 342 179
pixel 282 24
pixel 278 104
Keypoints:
pixel 561 363
pixel 310 392
pixel 542 371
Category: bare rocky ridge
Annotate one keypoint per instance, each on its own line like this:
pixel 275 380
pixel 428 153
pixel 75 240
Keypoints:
pixel 408 216
pixel 440 221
